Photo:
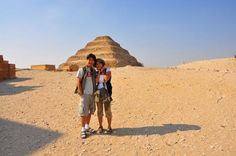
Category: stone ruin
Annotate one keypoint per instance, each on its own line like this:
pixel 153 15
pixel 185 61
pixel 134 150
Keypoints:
pixel 47 67
pixel 7 71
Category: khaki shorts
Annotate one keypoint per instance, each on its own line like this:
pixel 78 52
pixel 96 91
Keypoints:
pixel 87 105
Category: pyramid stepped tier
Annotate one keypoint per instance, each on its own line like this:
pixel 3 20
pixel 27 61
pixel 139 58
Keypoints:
pixel 103 47
pixel 101 43
pixel 7 71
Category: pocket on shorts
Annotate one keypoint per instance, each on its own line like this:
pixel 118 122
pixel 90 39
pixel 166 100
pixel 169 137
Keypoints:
pixel 103 95
pixel 83 108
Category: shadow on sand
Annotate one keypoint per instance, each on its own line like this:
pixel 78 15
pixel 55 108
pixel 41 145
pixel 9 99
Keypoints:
pixel 153 130
pixel 8 87
pixel 21 139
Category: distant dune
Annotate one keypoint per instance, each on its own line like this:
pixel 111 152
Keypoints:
pixel 225 64
pixel 188 110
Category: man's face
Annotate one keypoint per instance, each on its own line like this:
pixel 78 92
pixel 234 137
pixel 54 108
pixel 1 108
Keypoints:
pixel 99 66
pixel 90 62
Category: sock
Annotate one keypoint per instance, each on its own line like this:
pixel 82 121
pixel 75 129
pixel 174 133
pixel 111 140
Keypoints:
pixel 86 126
pixel 83 129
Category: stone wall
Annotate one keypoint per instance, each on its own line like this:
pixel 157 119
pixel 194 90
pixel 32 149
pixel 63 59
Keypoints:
pixel 7 71
pixel 47 67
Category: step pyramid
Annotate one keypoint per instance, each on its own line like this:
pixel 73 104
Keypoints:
pixel 103 47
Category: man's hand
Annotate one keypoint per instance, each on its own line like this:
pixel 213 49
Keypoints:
pixel 76 90
pixel 80 94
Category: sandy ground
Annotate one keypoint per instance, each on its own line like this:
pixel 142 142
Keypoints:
pixel 176 111
pixel 222 64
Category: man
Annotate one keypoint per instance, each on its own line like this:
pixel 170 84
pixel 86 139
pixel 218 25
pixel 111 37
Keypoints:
pixel 103 98
pixel 86 83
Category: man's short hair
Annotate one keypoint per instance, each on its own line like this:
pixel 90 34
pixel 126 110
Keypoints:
pixel 91 56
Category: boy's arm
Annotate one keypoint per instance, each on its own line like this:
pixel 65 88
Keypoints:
pixel 79 86
pixel 79 77
pixel 97 77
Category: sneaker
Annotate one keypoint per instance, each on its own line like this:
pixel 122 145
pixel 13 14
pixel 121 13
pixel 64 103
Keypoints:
pixel 83 135
pixel 90 131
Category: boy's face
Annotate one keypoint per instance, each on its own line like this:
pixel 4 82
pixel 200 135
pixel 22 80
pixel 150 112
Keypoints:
pixel 90 62
pixel 99 66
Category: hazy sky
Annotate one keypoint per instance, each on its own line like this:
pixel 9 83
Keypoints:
pixel 156 32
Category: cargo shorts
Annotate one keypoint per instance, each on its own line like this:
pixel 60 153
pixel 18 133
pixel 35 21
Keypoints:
pixel 87 105
pixel 103 101
pixel 107 107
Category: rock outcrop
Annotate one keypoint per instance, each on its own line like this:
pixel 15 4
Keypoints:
pixel 7 71
pixel 47 67
pixel 103 47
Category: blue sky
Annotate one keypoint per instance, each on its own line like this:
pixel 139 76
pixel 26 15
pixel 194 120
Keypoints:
pixel 158 33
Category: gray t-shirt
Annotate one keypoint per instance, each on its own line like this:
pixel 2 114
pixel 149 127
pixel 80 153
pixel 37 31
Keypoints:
pixel 88 89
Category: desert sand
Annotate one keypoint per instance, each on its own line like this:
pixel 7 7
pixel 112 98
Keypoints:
pixel 175 111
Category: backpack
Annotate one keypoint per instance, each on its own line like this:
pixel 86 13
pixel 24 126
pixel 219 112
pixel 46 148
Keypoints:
pixel 109 86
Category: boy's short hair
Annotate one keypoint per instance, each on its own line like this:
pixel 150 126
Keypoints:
pixel 91 56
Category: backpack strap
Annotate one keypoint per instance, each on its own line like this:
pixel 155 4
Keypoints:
pixel 94 75
pixel 83 78
pixel 84 71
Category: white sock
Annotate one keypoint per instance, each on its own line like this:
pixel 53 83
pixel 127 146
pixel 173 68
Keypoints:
pixel 83 129
pixel 86 126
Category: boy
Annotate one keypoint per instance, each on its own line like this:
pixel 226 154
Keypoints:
pixel 86 83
